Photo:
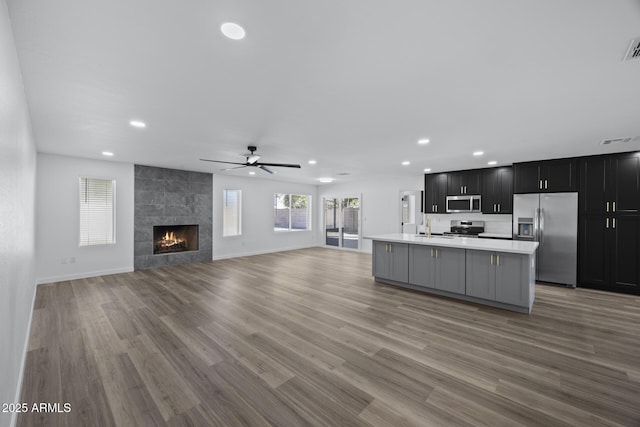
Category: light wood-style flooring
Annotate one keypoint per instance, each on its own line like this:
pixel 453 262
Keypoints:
pixel 308 338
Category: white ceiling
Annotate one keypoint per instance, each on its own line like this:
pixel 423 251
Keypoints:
pixel 353 84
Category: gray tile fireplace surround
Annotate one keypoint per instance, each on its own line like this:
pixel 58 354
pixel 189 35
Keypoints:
pixel 171 197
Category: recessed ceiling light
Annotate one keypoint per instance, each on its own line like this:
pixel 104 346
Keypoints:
pixel 107 153
pixel 427 170
pixel 252 173
pixel 478 153
pixel 325 179
pixel 423 141
pixel 492 162
pixel 232 31
pixel 138 124
pixel 312 162
pixel 406 163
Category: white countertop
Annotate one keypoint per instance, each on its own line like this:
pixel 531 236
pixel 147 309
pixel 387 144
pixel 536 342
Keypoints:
pixel 496 235
pixel 512 246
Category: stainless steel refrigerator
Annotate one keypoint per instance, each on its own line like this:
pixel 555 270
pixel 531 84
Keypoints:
pixel 551 219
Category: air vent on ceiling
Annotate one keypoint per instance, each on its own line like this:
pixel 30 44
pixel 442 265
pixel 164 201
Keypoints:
pixel 617 140
pixel 343 173
pixel 634 50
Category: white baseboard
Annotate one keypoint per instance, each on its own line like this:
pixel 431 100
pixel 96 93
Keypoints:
pixel 266 251
pixel 85 275
pixel 14 416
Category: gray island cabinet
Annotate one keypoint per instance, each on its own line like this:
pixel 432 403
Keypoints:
pixel 498 273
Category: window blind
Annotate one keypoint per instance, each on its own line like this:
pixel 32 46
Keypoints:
pixel 97 222
pixel 231 218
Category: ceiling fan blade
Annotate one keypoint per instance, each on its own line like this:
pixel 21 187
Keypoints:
pixel 237 167
pixel 281 165
pixel 220 161
pixel 265 169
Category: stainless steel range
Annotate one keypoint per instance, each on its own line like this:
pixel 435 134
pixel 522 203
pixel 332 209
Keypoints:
pixel 464 228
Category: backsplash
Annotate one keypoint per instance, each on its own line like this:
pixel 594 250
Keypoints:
pixel 492 223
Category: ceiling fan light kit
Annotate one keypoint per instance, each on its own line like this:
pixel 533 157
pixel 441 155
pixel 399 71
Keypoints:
pixel 252 159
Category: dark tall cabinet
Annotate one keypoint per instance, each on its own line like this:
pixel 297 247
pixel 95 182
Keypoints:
pixel 548 176
pixel 497 190
pixel 609 221
pixel 435 187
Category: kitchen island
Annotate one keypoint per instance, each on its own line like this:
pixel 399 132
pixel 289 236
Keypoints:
pixel 499 273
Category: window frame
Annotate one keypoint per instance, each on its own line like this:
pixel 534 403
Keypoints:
pixel 238 231
pixel 88 240
pixel 309 209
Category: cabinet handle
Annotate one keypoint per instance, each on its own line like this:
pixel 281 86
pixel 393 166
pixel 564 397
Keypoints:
pixel 546 182
pixel 494 207
pixel 607 209
pixel 431 252
pixel 491 259
pixel 540 184
pixel 437 253
pixel 614 223
pixel 499 207
pixel 614 206
pixel 436 208
pixel 607 223
pixel 498 259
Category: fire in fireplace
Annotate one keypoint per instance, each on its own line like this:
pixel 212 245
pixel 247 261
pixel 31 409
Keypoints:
pixel 174 238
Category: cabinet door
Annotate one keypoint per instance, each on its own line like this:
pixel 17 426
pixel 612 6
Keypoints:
pixel 593 257
pixel 399 262
pixel 526 178
pixel 505 190
pixel 594 194
pixel 511 275
pixel 435 193
pixel 471 182
pixel 381 266
pixel 625 262
pixel 480 275
pixel 454 184
pixel 626 176
pixel 421 266
pixel 450 270
pixel 559 175
pixel 490 191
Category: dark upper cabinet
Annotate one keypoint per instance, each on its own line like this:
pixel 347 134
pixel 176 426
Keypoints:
pixel 463 182
pixel 594 196
pixel 435 193
pixel 626 182
pixel 497 190
pixel 549 176
pixel 610 184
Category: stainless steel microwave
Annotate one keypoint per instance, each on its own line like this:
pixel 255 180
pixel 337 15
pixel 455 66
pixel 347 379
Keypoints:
pixel 463 204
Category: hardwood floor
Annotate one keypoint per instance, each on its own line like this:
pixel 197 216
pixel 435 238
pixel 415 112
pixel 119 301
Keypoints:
pixel 308 338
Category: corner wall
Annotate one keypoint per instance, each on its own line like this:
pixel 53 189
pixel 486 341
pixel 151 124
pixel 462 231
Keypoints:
pixel 258 217
pixel 58 220
pixel 17 222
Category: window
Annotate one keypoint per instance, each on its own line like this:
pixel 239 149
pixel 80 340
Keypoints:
pixel 231 219
pixel 291 212
pixel 97 219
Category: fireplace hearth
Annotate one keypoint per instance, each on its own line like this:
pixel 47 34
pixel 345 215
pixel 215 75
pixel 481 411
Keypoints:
pixel 174 238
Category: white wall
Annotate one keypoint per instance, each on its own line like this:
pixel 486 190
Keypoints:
pixel 17 224
pixel 257 217
pixel 58 219
pixel 380 204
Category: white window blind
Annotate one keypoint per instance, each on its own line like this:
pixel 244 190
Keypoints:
pixel 231 215
pixel 97 222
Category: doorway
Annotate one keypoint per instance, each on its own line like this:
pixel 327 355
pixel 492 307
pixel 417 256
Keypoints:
pixel 342 222
pixel 410 211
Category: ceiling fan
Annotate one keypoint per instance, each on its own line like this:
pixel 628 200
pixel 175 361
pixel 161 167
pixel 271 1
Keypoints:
pixel 252 160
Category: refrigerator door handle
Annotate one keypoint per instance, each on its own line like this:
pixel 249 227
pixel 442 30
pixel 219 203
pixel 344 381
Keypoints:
pixel 541 227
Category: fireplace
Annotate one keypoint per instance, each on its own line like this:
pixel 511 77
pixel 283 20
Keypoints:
pixel 174 238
